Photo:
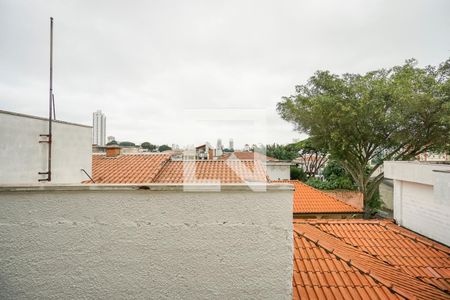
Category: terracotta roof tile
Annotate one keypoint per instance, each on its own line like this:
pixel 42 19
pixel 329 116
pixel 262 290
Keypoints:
pixel 246 155
pixel 212 171
pixel 158 168
pixel 367 259
pixel 310 200
pixel 127 168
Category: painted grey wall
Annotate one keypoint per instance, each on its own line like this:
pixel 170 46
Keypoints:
pixel 22 156
pixel 146 245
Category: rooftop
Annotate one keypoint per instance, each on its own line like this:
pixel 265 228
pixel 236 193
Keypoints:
pixel 158 168
pixel 367 259
pixel 246 155
pixel 41 118
pixel 127 168
pixel 308 200
pixel 212 171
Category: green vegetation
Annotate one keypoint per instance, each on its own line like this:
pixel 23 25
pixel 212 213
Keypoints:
pixel 149 146
pixel 127 144
pixel 387 114
pixel 112 143
pixel 335 177
pixel 163 148
pixel 298 174
pixel 281 152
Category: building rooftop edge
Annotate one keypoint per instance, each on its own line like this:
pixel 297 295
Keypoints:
pixel 257 187
pixel 41 118
pixel 417 162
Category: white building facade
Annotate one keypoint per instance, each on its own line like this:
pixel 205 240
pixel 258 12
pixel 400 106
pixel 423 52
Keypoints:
pixel 99 128
pixel 23 154
pixel 422 197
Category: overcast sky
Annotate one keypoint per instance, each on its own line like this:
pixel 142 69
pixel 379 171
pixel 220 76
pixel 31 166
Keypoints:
pixel 186 72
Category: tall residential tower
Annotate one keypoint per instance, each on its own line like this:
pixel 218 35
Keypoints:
pixel 99 124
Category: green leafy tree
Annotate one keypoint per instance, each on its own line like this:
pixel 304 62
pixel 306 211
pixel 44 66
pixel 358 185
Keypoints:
pixel 149 146
pixel 387 114
pixel 163 148
pixel 127 144
pixel 334 170
pixel 298 174
pixel 335 177
pixel 312 157
pixel 113 142
pixel 281 152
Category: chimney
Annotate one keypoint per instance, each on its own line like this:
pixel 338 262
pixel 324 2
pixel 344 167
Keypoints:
pixel 112 151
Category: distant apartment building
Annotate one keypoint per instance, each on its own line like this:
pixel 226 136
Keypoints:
pixel 99 128
pixel 231 144
pixel 110 139
pixel 219 144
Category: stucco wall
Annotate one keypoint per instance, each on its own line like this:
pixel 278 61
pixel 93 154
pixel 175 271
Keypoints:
pixel 22 156
pixel 146 244
pixel 422 198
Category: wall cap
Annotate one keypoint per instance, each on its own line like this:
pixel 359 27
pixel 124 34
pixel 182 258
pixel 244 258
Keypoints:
pixel 257 187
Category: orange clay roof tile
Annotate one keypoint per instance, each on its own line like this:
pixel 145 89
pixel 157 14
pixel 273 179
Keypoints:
pixel 310 200
pixel 209 171
pixel 127 168
pixel 246 155
pixel 367 259
pixel 158 168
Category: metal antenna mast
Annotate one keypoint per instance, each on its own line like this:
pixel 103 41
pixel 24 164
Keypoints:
pixel 51 113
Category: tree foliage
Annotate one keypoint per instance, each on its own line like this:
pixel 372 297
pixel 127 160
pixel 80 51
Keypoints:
pixel 113 142
pixel 163 148
pixel 149 146
pixel 298 174
pixel 387 114
pixel 281 152
pixel 335 177
pixel 312 157
pixel 127 144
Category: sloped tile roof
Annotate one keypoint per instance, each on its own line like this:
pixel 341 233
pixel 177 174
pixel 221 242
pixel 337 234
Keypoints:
pixel 367 259
pixel 212 171
pixel 308 200
pixel 127 168
pixel 246 155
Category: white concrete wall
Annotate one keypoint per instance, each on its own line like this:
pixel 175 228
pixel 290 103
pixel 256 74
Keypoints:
pixel 422 197
pixel 146 244
pixel 22 156
pixel 278 171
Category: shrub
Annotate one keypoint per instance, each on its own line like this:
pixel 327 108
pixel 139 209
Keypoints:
pixel 298 174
